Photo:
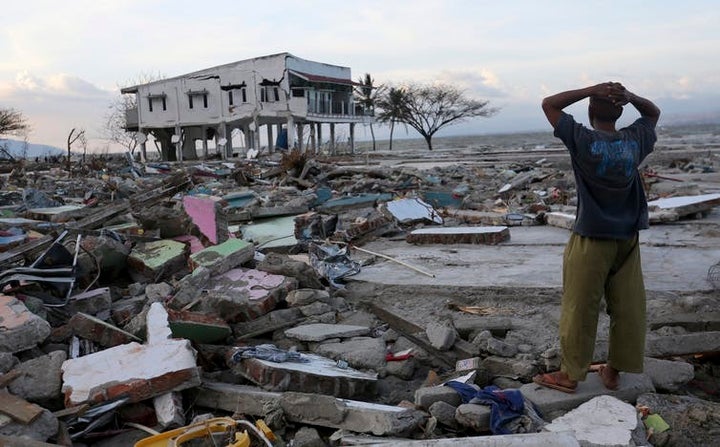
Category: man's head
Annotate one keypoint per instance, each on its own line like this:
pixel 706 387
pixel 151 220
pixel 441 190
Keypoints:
pixel 601 109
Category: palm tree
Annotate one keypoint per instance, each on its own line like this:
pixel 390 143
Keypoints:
pixel 367 94
pixel 392 108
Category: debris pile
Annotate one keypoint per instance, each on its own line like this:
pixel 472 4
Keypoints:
pixel 152 305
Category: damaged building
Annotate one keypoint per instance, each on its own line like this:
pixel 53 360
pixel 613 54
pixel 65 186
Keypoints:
pixel 271 98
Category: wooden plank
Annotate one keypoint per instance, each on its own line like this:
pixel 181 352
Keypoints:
pixel 18 408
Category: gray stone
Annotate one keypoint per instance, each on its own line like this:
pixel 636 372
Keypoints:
pixel 667 375
pixel 303 297
pixel 500 348
pixel 136 289
pixel 426 396
pixel 444 413
pixel 308 437
pixel 319 332
pixel 7 362
pixel 549 401
pixel 474 417
pixel 682 344
pixel 41 429
pixel 359 352
pixel 441 335
pixel 92 302
pixel 513 368
pixel 316 308
pixel 41 380
pixel 602 421
pixel 404 369
pixel 158 292
pixel 271 319
pixel 190 287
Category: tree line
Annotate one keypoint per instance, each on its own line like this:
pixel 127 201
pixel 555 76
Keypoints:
pixel 426 108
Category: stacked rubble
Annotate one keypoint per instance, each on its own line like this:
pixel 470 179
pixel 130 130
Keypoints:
pixel 172 298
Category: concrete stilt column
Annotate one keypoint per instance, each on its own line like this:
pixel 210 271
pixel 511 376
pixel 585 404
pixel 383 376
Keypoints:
pixel 203 129
pixel 225 151
pixel 271 143
pixel 313 143
pixel 248 136
pixel 332 138
pixel 319 137
pixel 300 130
pixel 290 132
pixel 352 138
pixel 178 144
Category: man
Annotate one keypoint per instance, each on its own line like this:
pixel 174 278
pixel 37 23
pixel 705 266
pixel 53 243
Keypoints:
pixel 602 257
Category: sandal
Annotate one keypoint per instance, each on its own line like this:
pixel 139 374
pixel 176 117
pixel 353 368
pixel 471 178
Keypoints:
pixel 550 380
pixel 611 384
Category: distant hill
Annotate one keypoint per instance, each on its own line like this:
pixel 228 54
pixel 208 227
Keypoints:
pixel 17 149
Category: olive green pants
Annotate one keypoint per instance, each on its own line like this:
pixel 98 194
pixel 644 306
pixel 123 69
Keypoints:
pixel 593 268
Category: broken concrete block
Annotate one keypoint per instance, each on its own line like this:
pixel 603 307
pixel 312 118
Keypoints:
pixel 441 335
pixel 41 429
pixel 359 352
pixel 404 369
pixel 277 319
pixel 459 235
pixel 92 302
pixel 500 348
pixel 221 258
pixel 158 292
pixel 98 331
pixel 138 371
pixel 510 367
pixel 523 440
pixel 308 437
pixel 316 308
pixel 41 378
pixel 312 409
pixel 20 329
pixel 124 310
pixel 426 396
pixel 280 264
pixel 153 261
pixel 561 220
pixel 207 214
pixel 602 421
pixel 682 344
pixel 320 332
pixel 244 294
pixel 319 375
pixel 548 401
pixel 686 205
pixel 169 410
pixel 473 416
pixel 667 375
pixel 198 327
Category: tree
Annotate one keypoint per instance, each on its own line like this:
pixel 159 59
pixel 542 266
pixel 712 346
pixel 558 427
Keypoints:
pixel 429 108
pixel 12 122
pixel 367 94
pixel 74 135
pixel 392 108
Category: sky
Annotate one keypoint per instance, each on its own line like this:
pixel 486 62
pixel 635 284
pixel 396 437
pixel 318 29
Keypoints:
pixel 62 62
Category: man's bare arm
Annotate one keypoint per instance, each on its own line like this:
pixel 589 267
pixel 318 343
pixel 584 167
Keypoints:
pixel 554 105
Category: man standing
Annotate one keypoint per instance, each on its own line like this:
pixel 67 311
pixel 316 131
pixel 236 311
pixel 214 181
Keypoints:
pixel 602 257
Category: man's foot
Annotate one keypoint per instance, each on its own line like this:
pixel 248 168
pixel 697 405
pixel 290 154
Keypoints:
pixel 557 381
pixel 610 377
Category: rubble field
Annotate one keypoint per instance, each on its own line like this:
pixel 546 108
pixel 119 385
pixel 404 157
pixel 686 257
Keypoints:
pixel 388 298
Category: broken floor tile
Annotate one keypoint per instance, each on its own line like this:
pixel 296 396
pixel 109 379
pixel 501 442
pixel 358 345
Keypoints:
pixel 319 375
pixel 271 233
pixel 413 210
pixel 208 215
pixel 153 261
pixel 320 332
pixel 198 327
pixel 244 294
pixel 459 235
pixel 221 258
pixel 20 329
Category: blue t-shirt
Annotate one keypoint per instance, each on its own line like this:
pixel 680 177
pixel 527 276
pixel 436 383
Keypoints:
pixel 611 199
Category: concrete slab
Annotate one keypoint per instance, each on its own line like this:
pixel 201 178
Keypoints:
pixel 319 375
pixel 566 439
pixel 550 401
pixel 673 260
pixel 459 235
pixel 206 213
pixel 319 331
pixel 271 233
pixel 686 205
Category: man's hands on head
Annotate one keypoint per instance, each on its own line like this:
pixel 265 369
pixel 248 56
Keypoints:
pixel 613 92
